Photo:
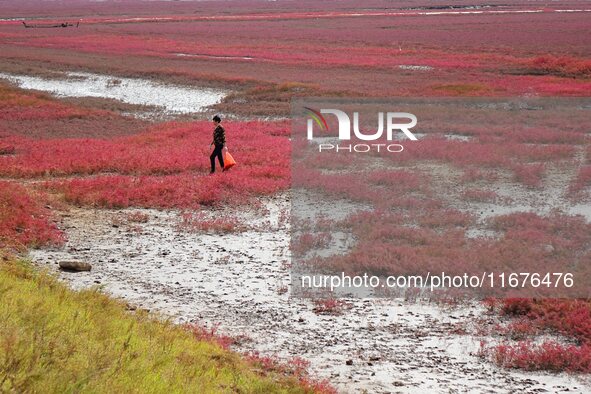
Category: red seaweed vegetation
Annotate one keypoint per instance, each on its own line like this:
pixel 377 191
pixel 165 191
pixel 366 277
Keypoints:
pixel 166 166
pixel 554 334
pixel 24 219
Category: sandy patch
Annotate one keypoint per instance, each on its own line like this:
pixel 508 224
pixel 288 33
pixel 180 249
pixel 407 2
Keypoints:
pixel 168 98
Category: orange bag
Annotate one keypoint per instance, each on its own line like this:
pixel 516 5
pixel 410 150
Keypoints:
pixel 229 161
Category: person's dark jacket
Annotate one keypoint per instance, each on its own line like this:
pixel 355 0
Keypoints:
pixel 219 135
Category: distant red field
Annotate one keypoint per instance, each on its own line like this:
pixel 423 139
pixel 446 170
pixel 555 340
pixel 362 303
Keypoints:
pixel 384 50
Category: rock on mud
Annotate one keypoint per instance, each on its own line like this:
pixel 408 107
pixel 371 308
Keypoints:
pixel 76 266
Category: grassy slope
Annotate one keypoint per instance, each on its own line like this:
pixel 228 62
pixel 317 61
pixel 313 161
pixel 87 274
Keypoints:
pixel 53 339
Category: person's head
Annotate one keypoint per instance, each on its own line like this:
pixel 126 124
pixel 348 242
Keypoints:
pixel 217 120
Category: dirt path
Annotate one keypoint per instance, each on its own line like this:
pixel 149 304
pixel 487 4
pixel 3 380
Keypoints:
pixel 237 281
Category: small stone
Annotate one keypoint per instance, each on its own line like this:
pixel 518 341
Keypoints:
pixel 76 266
pixel 349 362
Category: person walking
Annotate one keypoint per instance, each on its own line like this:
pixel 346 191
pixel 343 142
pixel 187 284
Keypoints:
pixel 219 140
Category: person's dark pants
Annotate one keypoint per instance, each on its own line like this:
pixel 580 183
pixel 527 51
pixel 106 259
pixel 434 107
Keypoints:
pixel 217 152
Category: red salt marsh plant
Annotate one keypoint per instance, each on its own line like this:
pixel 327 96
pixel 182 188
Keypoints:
pixel 171 191
pixel 203 222
pixel 6 149
pixel 480 195
pixel 571 318
pixel 18 105
pixel 548 356
pixel 473 174
pixel 285 40
pixel 386 243
pixel 529 174
pixel 163 167
pixel 165 149
pixel 296 366
pixel 366 186
pixel 542 135
pixel 24 221
pixel 278 48
pixel 419 238
pixel 482 155
pixel 540 244
pixel 138 217
pixel 212 335
pixel 566 66
pixel 306 242
pixel 38 115
pixel 564 232
pixel 581 182
pixel 543 131
pixel 330 306
pixel 568 318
